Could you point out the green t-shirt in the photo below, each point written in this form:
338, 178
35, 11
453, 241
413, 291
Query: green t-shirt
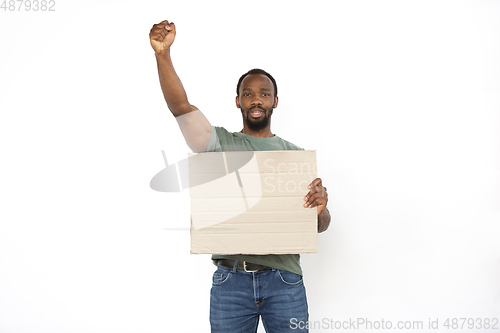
222, 140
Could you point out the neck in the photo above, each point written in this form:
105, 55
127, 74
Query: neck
264, 133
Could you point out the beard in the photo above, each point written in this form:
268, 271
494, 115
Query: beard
257, 124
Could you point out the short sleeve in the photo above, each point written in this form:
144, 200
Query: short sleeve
213, 144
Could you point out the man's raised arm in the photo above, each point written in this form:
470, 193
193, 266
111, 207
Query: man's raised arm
194, 126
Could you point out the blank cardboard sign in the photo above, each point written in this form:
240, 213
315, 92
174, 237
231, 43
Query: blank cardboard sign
251, 202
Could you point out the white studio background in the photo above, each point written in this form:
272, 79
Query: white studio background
401, 100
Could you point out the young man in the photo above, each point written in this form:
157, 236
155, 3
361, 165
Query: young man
244, 286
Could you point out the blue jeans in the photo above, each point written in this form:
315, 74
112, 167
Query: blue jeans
238, 298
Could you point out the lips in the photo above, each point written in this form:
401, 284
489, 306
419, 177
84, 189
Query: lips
256, 112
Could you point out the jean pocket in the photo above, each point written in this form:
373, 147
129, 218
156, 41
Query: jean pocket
220, 277
289, 278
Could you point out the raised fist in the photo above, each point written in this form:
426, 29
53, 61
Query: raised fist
162, 35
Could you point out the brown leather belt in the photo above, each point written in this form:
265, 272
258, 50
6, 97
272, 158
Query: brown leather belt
243, 265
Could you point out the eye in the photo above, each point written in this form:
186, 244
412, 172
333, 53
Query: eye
246, 94
266, 94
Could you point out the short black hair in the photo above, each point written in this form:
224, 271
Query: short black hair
257, 71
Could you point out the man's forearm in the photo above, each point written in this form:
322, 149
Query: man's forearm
323, 220
171, 85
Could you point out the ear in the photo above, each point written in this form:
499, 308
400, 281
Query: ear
237, 102
275, 102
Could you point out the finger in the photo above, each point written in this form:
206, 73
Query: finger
158, 36
310, 193
315, 189
158, 31
160, 25
316, 182
311, 199
321, 201
163, 26
162, 32
170, 26
316, 201
315, 196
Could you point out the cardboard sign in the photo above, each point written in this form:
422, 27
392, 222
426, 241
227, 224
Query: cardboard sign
251, 202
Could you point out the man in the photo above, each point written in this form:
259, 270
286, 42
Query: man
244, 286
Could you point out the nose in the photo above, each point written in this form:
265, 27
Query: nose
256, 100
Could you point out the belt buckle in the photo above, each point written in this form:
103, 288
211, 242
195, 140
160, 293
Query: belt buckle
245, 268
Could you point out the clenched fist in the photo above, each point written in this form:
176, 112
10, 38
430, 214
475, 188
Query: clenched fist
162, 35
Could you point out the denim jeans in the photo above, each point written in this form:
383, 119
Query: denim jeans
238, 298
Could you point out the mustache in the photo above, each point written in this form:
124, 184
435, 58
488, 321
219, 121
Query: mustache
256, 108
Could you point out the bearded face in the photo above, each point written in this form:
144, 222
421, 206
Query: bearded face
257, 118
256, 101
